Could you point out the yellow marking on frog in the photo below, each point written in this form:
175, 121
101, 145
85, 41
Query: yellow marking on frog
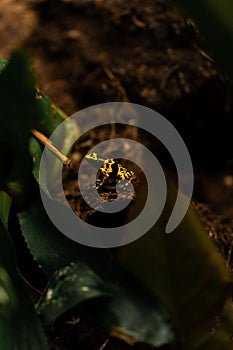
93, 156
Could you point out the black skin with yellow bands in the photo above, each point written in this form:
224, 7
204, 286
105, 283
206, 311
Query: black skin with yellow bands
110, 171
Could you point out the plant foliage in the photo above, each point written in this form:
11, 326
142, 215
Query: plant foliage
161, 289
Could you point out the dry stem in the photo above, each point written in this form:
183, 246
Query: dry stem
46, 142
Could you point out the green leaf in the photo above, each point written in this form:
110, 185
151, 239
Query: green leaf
49, 118
121, 309
18, 115
132, 314
24, 106
3, 64
18, 111
215, 21
23, 191
53, 250
19, 326
67, 288
35, 150
6, 202
185, 270
49, 115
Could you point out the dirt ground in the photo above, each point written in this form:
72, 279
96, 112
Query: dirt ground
94, 51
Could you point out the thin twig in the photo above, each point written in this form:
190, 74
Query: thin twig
34, 289
228, 259
46, 142
204, 54
104, 345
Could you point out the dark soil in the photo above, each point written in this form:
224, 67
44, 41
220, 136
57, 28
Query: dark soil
93, 51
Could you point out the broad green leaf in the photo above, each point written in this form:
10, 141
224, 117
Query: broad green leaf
23, 107
49, 118
185, 270
67, 288
49, 115
18, 111
215, 21
133, 314
18, 114
52, 249
121, 309
19, 326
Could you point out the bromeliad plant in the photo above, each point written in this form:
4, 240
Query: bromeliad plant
161, 289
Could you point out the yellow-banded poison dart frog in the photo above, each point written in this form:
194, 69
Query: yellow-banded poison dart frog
110, 171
